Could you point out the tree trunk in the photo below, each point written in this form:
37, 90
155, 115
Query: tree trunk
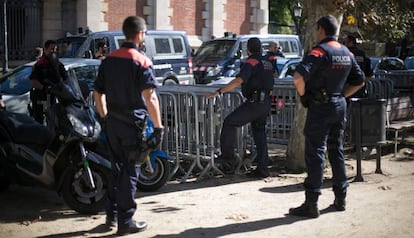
313, 9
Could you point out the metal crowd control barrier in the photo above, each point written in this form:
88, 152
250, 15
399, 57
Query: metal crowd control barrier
403, 81
380, 88
282, 112
193, 123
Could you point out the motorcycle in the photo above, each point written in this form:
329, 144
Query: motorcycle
154, 172
54, 156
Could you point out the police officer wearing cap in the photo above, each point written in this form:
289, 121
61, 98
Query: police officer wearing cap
126, 84
256, 81
327, 74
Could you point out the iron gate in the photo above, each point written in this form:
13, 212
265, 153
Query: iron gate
23, 28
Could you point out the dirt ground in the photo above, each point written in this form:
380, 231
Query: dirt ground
235, 206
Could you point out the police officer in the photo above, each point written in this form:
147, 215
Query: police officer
126, 83
46, 71
363, 61
273, 53
327, 74
256, 81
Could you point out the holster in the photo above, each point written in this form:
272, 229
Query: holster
259, 95
138, 153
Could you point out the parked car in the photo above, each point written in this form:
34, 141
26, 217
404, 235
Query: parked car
386, 64
409, 62
222, 57
169, 51
15, 85
286, 67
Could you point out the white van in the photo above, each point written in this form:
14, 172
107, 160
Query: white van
221, 57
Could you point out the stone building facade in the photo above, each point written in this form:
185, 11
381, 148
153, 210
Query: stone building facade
200, 19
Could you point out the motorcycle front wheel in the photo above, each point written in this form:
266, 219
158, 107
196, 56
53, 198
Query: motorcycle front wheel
151, 181
78, 194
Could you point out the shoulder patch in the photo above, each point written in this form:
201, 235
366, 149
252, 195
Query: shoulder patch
334, 44
317, 52
133, 54
252, 62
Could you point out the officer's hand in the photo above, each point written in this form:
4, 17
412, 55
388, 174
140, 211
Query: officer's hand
155, 139
305, 99
102, 121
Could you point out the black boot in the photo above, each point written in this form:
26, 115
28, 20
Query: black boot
339, 202
309, 208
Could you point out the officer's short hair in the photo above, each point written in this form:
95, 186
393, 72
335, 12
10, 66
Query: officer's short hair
49, 42
132, 25
351, 38
329, 24
254, 45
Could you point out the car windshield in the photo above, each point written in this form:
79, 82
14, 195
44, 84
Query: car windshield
214, 51
67, 47
17, 82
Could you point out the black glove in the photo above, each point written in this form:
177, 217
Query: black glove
305, 100
102, 121
155, 139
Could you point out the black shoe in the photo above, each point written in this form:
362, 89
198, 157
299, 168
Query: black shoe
227, 164
134, 227
257, 174
111, 222
305, 210
339, 204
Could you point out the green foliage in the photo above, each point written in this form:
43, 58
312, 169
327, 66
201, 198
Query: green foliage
280, 16
386, 20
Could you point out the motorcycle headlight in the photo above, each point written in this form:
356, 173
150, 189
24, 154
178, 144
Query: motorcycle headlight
214, 71
83, 129
96, 130
78, 125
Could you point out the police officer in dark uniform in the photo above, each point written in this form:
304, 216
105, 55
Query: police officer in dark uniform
273, 53
46, 71
327, 74
363, 61
256, 81
126, 84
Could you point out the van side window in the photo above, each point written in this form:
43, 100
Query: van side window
162, 46
178, 45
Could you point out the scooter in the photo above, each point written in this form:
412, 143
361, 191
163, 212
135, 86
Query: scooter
55, 157
154, 172
156, 169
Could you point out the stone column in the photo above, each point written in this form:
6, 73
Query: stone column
90, 13
158, 13
52, 20
214, 17
260, 17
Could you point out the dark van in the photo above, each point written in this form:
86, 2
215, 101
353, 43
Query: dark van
221, 57
169, 51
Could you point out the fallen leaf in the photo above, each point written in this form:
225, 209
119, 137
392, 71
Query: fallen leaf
385, 187
237, 217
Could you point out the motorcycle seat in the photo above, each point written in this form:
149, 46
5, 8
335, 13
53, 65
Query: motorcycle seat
23, 129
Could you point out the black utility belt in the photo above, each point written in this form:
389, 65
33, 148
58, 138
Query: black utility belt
320, 97
259, 95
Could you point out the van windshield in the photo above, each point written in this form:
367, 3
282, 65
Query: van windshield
213, 51
68, 46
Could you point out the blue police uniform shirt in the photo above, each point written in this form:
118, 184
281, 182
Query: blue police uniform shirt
329, 66
122, 74
257, 74
363, 61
